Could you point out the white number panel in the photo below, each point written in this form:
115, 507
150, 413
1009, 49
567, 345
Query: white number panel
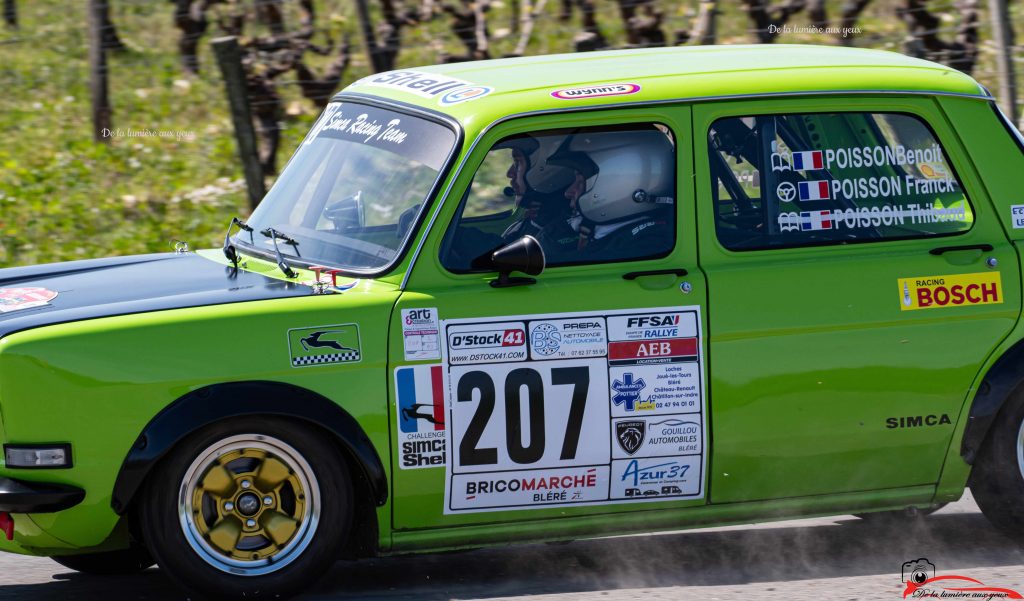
574, 408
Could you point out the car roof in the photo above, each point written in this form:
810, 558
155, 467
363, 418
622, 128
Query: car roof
527, 84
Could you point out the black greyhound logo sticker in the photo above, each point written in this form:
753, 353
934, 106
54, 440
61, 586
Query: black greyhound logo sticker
314, 341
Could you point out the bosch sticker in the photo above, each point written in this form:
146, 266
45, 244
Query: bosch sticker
943, 291
573, 409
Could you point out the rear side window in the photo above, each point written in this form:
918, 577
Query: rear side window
808, 179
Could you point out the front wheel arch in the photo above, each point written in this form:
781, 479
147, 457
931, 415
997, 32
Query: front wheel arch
210, 404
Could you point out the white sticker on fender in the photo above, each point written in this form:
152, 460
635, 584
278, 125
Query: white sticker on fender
573, 409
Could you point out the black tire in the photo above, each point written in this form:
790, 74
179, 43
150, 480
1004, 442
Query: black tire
997, 481
195, 565
109, 563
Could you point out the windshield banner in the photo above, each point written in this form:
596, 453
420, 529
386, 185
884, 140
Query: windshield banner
418, 139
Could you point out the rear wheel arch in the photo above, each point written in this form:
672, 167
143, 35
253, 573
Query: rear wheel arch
1003, 381
211, 404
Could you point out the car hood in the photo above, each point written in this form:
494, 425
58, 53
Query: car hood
36, 296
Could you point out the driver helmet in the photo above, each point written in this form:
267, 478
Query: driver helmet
541, 177
628, 171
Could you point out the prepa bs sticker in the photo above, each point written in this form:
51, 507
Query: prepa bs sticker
611, 89
16, 299
324, 345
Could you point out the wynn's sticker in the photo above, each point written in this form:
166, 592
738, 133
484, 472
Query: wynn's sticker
323, 345
611, 89
419, 396
936, 292
17, 299
573, 409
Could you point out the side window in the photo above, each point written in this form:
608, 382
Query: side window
818, 178
588, 195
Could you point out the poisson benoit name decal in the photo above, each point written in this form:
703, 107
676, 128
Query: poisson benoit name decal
612, 89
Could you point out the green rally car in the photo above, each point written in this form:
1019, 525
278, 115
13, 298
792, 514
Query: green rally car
777, 281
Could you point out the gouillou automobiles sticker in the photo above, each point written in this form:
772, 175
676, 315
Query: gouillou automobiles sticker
574, 408
16, 299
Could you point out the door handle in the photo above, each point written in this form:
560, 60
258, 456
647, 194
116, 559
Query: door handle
632, 275
946, 249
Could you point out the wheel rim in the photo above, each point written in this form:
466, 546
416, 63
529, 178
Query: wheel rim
249, 505
1020, 449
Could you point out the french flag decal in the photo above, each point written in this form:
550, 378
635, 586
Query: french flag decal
815, 190
420, 398
815, 220
812, 159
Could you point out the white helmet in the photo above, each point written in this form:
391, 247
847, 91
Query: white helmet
540, 175
628, 171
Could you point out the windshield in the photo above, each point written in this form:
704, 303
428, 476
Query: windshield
353, 190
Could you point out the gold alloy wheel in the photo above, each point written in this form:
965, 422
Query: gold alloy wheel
249, 505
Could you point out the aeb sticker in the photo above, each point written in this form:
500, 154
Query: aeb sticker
942, 291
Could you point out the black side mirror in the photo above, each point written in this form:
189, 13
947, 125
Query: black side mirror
347, 212
525, 255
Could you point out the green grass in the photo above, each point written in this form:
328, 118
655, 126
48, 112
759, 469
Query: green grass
63, 196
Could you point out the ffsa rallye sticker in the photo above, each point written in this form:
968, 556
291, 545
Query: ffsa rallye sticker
573, 409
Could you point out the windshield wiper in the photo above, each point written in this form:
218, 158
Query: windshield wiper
229, 248
274, 235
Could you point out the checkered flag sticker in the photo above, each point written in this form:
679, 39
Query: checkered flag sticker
344, 357
324, 345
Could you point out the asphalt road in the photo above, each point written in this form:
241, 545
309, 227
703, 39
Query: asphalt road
842, 558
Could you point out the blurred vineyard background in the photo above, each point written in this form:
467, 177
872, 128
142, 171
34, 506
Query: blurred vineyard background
168, 167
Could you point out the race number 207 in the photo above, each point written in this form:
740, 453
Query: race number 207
530, 416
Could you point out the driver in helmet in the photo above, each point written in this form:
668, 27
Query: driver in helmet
538, 192
537, 186
621, 198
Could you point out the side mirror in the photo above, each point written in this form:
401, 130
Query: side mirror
525, 255
347, 212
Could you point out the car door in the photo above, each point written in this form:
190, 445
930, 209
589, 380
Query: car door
579, 392
859, 279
